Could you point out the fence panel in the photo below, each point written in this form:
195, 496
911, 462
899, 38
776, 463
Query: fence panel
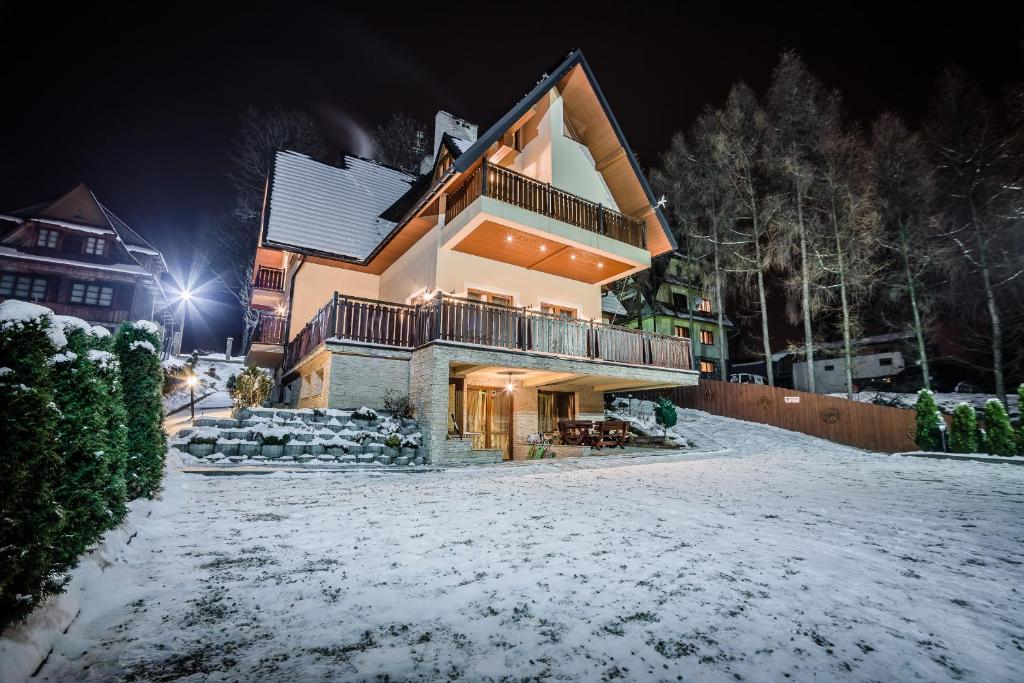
864, 425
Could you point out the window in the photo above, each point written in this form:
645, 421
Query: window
680, 302
707, 337
23, 286
707, 367
490, 297
553, 406
47, 238
704, 305
96, 246
829, 368
92, 295
885, 361
560, 311
681, 331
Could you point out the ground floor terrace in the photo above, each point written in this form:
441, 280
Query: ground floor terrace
760, 555
483, 380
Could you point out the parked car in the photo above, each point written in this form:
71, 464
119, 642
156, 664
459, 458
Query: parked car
747, 378
965, 388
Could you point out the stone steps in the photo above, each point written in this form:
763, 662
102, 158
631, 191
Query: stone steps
313, 437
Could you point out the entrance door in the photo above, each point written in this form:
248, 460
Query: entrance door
489, 419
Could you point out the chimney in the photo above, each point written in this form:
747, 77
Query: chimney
457, 128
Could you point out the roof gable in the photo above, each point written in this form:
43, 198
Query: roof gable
615, 159
77, 206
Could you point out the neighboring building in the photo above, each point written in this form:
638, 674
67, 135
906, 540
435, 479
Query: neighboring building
475, 288
681, 309
77, 258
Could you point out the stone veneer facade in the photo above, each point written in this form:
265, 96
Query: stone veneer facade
361, 374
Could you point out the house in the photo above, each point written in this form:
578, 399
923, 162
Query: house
475, 287
684, 309
77, 258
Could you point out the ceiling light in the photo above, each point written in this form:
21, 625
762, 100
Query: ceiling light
509, 387
543, 247
572, 256
600, 265
508, 238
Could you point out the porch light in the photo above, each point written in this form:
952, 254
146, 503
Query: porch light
509, 387
280, 310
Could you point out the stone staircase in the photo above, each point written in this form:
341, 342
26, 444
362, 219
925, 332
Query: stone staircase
308, 437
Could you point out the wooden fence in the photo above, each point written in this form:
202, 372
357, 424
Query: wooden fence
864, 425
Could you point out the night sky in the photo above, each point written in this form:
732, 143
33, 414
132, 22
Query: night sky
141, 100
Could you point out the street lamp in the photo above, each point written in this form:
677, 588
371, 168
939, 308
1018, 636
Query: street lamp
191, 382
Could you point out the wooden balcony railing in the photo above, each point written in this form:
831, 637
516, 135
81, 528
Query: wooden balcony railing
270, 329
448, 318
93, 314
270, 278
514, 188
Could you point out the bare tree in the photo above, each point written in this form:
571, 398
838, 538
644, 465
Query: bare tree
977, 152
905, 191
802, 111
401, 142
741, 142
229, 240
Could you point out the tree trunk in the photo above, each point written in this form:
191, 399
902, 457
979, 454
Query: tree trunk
993, 309
721, 315
805, 285
922, 353
694, 339
840, 265
762, 298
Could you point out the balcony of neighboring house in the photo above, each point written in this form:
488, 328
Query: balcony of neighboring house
472, 323
503, 215
266, 342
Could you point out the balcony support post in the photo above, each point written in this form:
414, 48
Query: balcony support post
483, 176
600, 219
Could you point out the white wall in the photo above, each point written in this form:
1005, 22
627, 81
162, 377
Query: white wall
315, 285
833, 381
413, 272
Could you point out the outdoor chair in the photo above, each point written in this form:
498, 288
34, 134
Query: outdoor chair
611, 433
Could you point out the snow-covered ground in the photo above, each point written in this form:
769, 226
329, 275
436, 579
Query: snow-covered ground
782, 556
212, 373
946, 402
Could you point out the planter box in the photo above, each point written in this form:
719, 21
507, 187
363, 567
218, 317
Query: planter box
409, 453
335, 428
304, 437
262, 412
243, 414
383, 460
241, 434
316, 449
182, 433
366, 457
285, 458
336, 451
236, 458
374, 449
294, 449
418, 460
258, 458
206, 422
201, 450
227, 423
227, 449
389, 452
303, 458
408, 422
401, 461
324, 457
272, 452
348, 458
321, 419
355, 450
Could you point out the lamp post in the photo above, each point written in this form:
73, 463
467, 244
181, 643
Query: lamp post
191, 382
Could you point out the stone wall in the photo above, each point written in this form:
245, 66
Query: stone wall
361, 375
314, 374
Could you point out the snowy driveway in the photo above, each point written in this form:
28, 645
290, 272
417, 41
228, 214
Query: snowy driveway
788, 557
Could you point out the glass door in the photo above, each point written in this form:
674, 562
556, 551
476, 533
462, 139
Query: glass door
489, 419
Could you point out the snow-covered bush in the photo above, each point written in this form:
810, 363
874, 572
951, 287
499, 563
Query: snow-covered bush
999, 437
393, 441
398, 404
108, 371
249, 388
30, 520
89, 484
364, 413
963, 436
927, 436
665, 414
137, 346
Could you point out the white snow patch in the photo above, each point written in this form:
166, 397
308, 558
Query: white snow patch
145, 345
147, 326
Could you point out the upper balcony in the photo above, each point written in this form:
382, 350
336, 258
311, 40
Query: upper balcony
270, 279
502, 215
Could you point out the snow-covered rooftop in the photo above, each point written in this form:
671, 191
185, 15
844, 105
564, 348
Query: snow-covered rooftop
333, 210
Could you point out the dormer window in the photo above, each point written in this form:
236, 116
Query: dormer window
97, 246
47, 238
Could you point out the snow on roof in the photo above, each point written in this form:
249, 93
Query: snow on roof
611, 304
329, 209
461, 144
115, 267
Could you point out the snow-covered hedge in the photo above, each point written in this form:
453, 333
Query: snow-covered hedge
62, 468
137, 346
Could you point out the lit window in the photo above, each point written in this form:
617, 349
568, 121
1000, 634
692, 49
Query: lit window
682, 331
92, 295
490, 297
707, 337
560, 311
704, 306
707, 367
23, 286
46, 238
96, 246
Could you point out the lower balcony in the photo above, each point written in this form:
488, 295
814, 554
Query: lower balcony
474, 323
266, 343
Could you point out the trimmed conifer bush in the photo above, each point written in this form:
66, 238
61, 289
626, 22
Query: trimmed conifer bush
250, 387
108, 371
30, 519
138, 352
999, 437
963, 437
82, 445
665, 414
927, 436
